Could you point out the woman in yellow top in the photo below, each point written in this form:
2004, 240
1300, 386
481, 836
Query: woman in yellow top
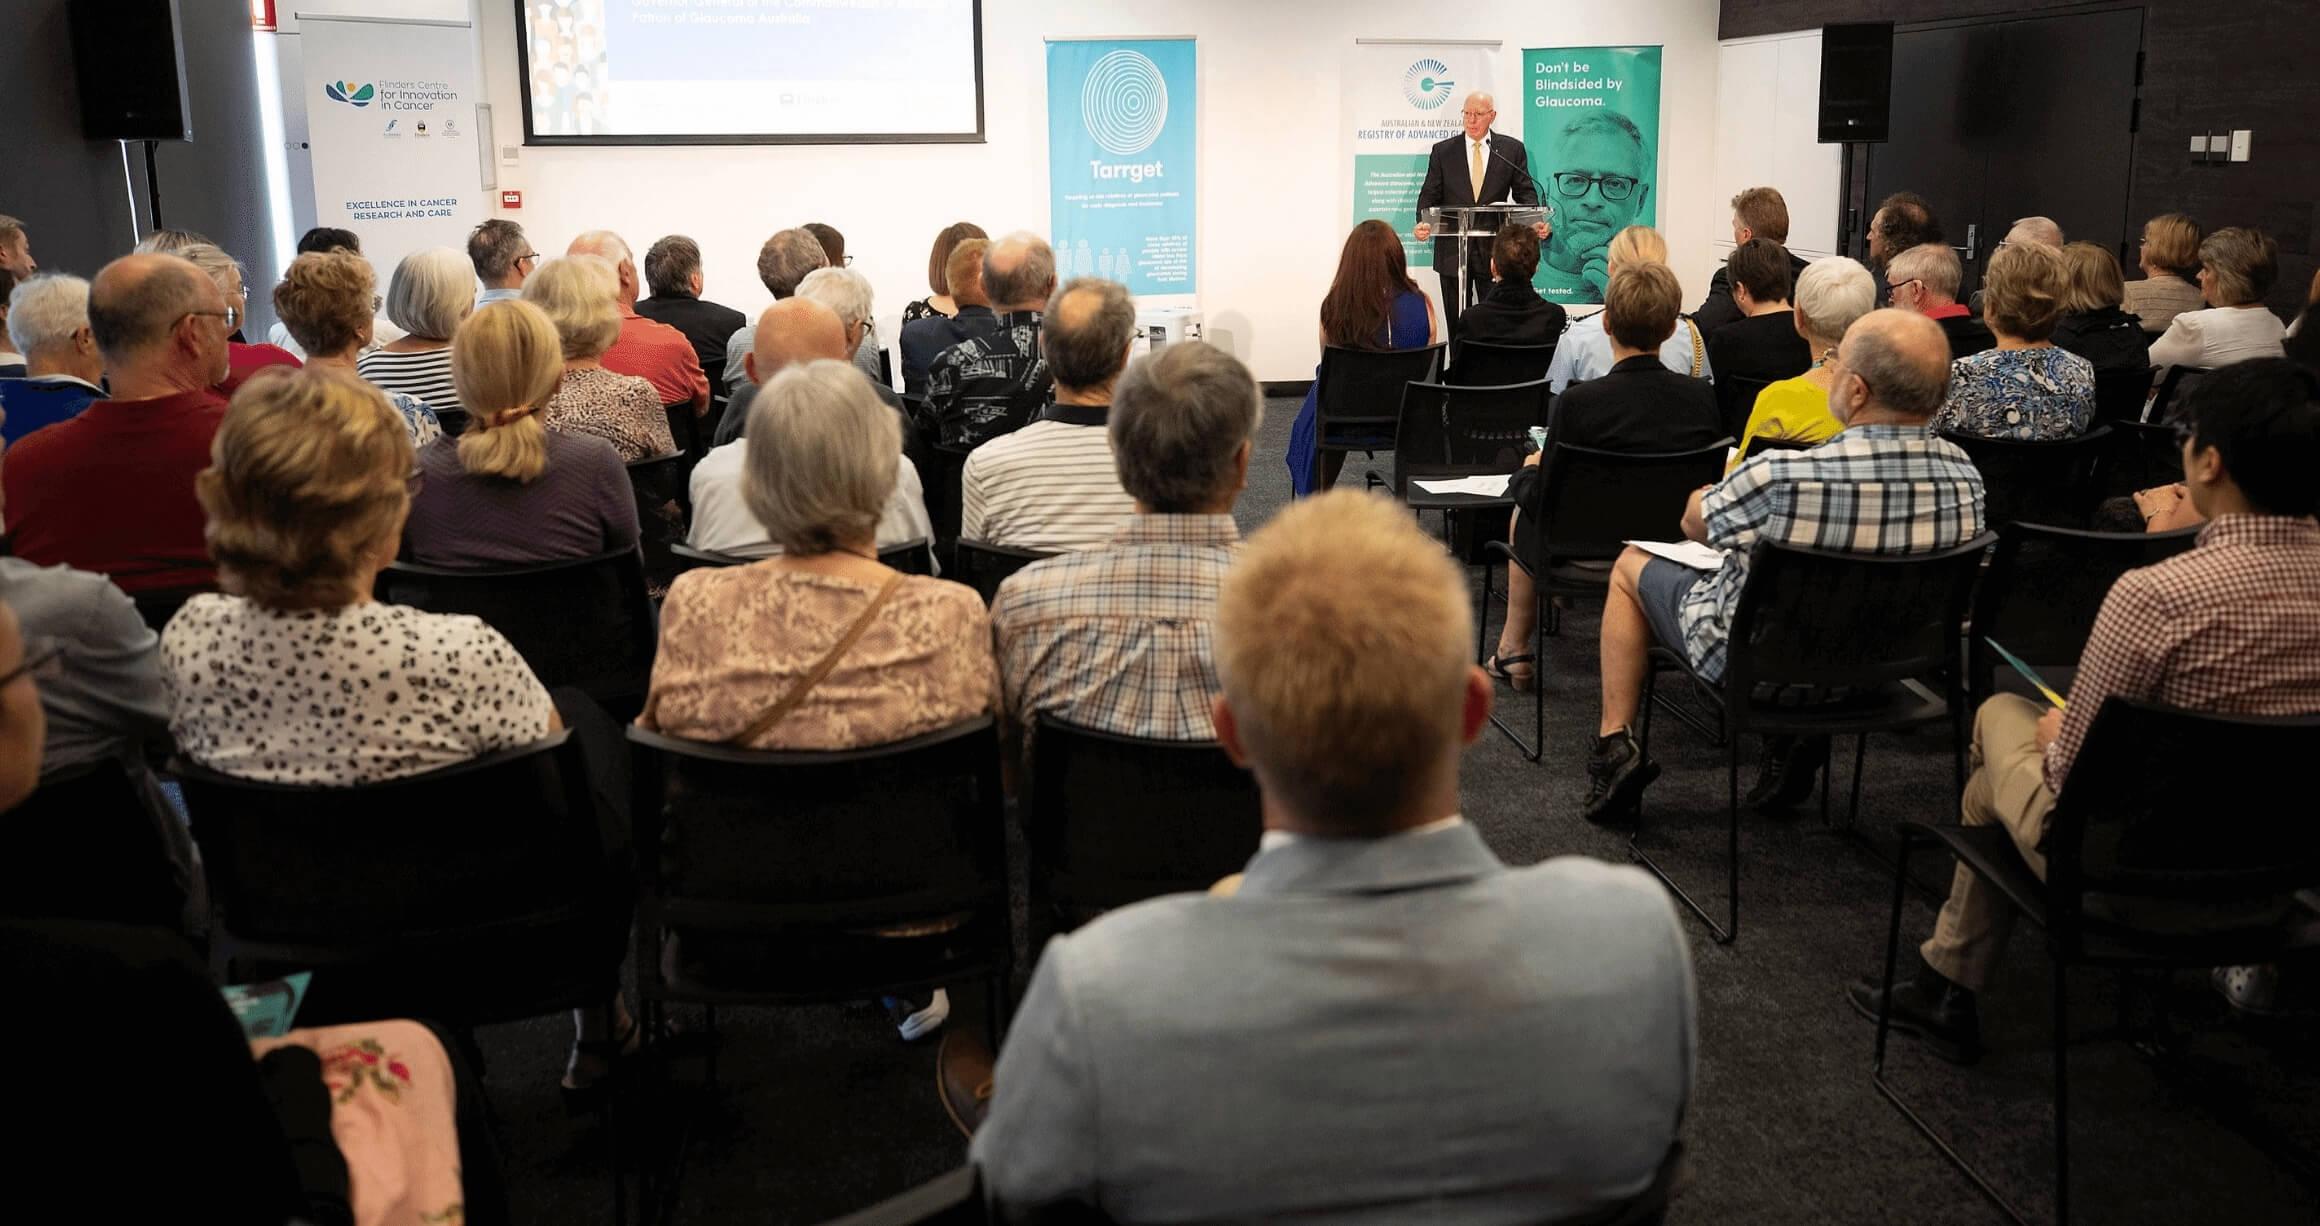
1830, 295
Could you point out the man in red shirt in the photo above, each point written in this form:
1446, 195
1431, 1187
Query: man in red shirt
111, 490
648, 349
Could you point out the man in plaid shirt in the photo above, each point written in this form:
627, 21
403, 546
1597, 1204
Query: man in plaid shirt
1885, 485
1122, 638
2231, 626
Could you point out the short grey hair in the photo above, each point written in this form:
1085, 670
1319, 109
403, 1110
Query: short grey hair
1177, 419
432, 292
1831, 294
47, 310
494, 247
844, 291
604, 243
1016, 268
820, 459
2036, 230
215, 264
1935, 264
1912, 383
787, 257
1086, 344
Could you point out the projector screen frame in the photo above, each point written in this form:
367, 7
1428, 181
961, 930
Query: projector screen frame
523, 88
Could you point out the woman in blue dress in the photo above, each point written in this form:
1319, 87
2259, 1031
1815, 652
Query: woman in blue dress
1373, 304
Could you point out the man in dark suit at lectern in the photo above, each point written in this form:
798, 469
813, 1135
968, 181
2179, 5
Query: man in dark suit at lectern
1478, 166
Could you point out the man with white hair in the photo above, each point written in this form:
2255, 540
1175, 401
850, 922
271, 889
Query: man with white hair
1925, 279
2034, 230
847, 294
993, 384
48, 321
1478, 166
648, 349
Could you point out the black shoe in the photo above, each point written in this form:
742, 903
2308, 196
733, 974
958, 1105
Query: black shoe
1617, 773
1785, 780
1928, 1008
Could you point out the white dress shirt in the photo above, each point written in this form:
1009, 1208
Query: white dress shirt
722, 522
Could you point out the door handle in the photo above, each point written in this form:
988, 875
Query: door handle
1973, 233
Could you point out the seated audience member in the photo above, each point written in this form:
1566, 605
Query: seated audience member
430, 295
242, 360
792, 332
1372, 304
2169, 258
1903, 220
1639, 405
1829, 297
1758, 212
502, 258
2044, 231
1054, 484
989, 385
1122, 638
1509, 311
170, 242
23, 724
2236, 269
2092, 325
2232, 626
111, 490
943, 300
1585, 350
1892, 487
782, 262
970, 316
509, 491
16, 250
48, 321
847, 293
2303, 340
1925, 279
13, 363
1763, 345
672, 270
648, 349
576, 292
867, 345
2025, 388
327, 239
1231, 1035
325, 301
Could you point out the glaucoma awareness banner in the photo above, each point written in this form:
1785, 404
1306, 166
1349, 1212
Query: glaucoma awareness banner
1399, 98
1122, 142
1591, 127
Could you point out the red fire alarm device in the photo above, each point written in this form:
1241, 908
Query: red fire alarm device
511, 200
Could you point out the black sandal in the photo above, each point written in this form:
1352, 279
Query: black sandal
1520, 682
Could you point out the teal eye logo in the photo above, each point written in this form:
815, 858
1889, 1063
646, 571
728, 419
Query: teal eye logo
350, 93
1425, 84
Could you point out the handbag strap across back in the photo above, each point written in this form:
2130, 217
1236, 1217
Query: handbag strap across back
804, 685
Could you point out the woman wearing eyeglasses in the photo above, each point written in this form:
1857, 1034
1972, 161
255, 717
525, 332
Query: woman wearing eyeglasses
242, 359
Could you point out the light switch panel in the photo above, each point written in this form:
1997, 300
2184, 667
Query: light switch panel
2241, 138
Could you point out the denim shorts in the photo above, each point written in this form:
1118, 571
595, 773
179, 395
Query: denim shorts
1661, 589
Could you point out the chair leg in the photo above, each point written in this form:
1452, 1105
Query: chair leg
1728, 931
2061, 1096
1828, 776
1538, 745
1860, 755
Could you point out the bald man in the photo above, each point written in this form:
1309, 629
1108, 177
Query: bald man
647, 348
791, 331
1890, 487
994, 384
111, 490
1477, 166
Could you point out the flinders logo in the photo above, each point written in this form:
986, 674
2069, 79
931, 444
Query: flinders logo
1425, 84
350, 93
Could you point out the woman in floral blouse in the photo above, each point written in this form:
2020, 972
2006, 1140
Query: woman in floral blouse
578, 293
2026, 388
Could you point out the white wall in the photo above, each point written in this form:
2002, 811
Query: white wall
1768, 133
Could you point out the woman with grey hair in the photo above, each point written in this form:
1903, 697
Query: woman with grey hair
1830, 295
430, 295
2237, 266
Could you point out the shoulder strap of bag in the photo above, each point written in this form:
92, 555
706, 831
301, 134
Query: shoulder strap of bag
1699, 351
804, 685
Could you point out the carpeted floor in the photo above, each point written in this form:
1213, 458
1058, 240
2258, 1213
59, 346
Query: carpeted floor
821, 1111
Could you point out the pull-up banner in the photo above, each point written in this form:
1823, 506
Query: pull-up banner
1122, 161
1398, 99
1591, 127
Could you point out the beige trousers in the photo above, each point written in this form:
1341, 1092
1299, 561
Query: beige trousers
2007, 788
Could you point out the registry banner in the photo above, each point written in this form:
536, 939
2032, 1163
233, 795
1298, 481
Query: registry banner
1591, 126
1399, 98
1122, 145
391, 122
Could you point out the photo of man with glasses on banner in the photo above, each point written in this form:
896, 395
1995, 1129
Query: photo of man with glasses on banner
1598, 175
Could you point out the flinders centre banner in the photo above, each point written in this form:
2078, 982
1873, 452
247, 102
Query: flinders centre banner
1399, 98
1122, 140
1591, 127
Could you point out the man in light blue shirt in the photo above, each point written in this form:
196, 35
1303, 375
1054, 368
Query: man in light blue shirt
503, 257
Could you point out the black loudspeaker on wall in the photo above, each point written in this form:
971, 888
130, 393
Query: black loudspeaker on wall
1856, 82
130, 63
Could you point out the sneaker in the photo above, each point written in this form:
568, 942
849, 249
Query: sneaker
1617, 773
1785, 778
1928, 1008
2253, 990
915, 1023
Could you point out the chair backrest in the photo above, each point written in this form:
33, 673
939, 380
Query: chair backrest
1596, 501
587, 622
1359, 391
2043, 587
1736, 399
157, 605
88, 845
1764, 442
2046, 482
912, 557
1812, 621
663, 501
1461, 431
453, 419
2119, 393
2143, 454
941, 472
1485, 364
2173, 388
984, 566
1114, 819
691, 431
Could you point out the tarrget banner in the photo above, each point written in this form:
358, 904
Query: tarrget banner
391, 119
1122, 161
1591, 126
1399, 98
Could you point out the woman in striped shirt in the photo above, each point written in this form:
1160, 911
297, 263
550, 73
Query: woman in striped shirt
432, 292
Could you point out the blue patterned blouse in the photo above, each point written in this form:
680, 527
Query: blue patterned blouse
2025, 394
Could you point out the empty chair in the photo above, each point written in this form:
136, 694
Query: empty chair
984, 567
1461, 431
2045, 482
2039, 596
586, 623
1488, 364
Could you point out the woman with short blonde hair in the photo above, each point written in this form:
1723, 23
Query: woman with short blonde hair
1584, 352
2169, 258
579, 295
430, 295
324, 301
2025, 388
2237, 267
509, 491
2093, 325
242, 359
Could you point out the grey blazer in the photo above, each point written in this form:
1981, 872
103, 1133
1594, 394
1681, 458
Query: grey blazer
1387, 1030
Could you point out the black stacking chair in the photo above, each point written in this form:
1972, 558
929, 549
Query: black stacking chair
983, 566
2047, 482
691, 432
2041, 591
941, 473
90, 845
1485, 364
2119, 394
1762, 443
157, 605
1736, 399
2174, 387
1463, 431
452, 418
1813, 623
912, 557
2185, 865
586, 623
663, 508
2143, 454
1358, 398
1113, 819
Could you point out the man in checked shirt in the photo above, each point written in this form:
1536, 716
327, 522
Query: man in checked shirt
2231, 626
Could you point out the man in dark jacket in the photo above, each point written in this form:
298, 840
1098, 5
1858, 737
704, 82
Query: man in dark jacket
1758, 212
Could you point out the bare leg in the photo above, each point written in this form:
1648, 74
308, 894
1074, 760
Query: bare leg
1522, 610
1626, 639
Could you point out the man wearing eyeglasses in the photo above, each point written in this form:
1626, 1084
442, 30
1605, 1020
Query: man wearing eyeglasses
503, 257
1600, 175
111, 490
1478, 166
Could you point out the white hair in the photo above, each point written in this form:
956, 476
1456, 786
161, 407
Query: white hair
604, 243
1831, 293
2036, 230
844, 291
47, 310
432, 292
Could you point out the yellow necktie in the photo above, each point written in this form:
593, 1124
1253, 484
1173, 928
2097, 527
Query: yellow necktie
1475, 170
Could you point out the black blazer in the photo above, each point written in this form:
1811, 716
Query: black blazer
1718, 308
1448, 185
1639, 407
707, 325
2110, 338
1510, 312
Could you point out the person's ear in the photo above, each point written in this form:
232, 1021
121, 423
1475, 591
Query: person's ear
1494, 268
1241, 457
2202, 466
695, 283
85, 339
1228, 732
749, 363
1476, 713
